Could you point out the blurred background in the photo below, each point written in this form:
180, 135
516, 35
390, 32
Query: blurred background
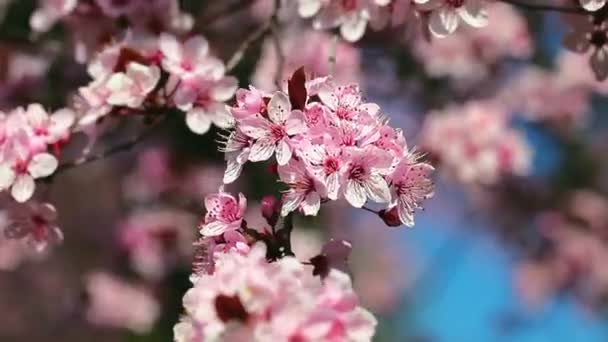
520, 257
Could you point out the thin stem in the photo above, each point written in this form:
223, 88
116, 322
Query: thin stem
276, 38
231, 9
122, 147
333, 54
370, 210
252, 39
545, 7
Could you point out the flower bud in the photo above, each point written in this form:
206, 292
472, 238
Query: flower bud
270, 209
390, 217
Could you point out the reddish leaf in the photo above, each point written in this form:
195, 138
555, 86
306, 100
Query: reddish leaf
230, 308
297, 89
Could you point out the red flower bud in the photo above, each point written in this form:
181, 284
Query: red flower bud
390, 217
270, 209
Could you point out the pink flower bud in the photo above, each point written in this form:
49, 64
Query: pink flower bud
270, 209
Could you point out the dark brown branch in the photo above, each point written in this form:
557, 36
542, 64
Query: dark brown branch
238, 55
122, 147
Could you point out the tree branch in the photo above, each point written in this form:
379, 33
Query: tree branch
122, 147
253, 38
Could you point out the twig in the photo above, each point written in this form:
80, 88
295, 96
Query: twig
253, 38
240, 52
545, 7
122, 147
276, 38
333, 55
370, 210
225, 12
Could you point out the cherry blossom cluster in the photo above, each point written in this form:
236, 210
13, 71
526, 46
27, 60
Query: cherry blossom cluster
32, 224
329, 144
475, 144
471, 54
313, 56
92, 21
249, 299
156, 241
353, 16
576, 256
151, 75
27, 137
117, 303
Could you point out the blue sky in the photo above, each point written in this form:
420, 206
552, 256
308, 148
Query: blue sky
470, 290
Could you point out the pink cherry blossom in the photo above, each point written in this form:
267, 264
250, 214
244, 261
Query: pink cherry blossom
51, 11
247, 298
341, 147
364, 176
446, 15
157, 241
224, 213
313, 56
113, 302
35, 224
469, 54
203, 100
272, 134
475, 144
305, 191
131, 87
350, 16
20, 166
49, 129
188, 58
410, 184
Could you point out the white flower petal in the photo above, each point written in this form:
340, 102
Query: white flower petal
283, 152
261, 150
474, 14
7, 176
377, 189
296, 123
198, 121
592, 5
353, 28
224, 89
291, 202
279, 107
308, 8
311, 204
214, 228
443, 22
233, 170
355, 194
42, 165
23, 188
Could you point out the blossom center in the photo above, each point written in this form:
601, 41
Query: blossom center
20, 167
278, 132
598, 38
331, 165
357, 173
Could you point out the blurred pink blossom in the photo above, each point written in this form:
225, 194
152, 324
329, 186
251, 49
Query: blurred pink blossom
115, 303
313, 56
279, 301
475, 144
